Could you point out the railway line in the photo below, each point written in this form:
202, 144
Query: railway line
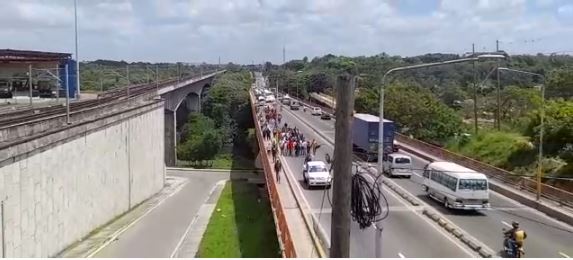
24, 116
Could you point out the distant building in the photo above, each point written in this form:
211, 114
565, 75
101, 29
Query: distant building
48, 73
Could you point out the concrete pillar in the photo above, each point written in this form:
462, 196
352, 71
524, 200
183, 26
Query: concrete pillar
170, 142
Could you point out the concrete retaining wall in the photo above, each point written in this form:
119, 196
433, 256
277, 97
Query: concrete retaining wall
57, 188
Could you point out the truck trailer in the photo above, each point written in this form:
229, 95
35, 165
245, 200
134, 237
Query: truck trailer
365, 136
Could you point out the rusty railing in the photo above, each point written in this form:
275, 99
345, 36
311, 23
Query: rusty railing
520, 182
282, 229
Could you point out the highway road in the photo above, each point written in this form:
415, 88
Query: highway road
407, 233
546, 236
158, 234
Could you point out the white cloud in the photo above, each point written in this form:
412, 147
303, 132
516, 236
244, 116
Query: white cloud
246, 30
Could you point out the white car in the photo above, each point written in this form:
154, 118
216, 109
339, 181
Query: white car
316, 111
261, 98
315, 173
270, 99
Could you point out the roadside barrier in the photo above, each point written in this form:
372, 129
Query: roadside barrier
283, 233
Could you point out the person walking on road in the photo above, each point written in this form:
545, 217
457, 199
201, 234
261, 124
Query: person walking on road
278, 168
274, 151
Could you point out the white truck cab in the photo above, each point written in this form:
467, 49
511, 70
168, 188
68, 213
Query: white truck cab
397, 164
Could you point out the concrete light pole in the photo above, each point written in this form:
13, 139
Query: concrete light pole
541, 125
77, 55
379, 227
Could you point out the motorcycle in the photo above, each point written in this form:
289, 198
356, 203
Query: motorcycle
510, 248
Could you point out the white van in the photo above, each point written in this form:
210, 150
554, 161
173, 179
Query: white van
396, 164
456, 186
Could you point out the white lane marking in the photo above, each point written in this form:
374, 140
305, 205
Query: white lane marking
120, 231
505, 223
532, 210
195, 218
401, 255
425, 219
564, 255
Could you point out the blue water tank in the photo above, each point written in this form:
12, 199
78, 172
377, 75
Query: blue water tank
71, 78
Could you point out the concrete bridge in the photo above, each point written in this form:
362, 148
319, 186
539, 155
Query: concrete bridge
60, 179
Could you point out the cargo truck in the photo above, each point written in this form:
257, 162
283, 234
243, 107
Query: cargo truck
365, 136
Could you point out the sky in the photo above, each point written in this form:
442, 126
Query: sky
247, 31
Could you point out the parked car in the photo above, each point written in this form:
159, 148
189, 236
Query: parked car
315, 173
325, 116
316, 111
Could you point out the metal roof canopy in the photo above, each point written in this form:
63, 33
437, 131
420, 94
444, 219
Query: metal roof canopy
9, 55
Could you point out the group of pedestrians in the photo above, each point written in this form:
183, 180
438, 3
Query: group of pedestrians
285, 140
292, 142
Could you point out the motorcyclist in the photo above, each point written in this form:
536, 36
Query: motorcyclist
516, 237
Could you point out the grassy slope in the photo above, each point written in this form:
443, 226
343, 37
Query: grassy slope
501, 149
243, 227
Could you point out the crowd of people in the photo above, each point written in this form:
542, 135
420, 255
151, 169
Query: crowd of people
285, 140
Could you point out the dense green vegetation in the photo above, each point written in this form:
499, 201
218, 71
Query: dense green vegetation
219, 137
437, 104
241, 226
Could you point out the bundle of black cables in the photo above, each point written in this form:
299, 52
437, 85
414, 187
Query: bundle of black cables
368, 203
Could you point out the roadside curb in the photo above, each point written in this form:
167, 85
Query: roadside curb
188, 245
104, 235
458, 233
213, 170
318, 235
445, 224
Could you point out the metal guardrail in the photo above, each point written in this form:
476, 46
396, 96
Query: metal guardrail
553, 193
280, 219
558, 195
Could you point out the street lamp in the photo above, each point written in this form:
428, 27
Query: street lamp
76, 38
300, 71
542, 124
483, 57
378, 236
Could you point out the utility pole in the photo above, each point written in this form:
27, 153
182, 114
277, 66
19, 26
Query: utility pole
147, 73
156, 75
475, 92
340, 227
284, 54
100, 79
77, 55
67, 94
128, 81
498, 119
178, 72
30, 82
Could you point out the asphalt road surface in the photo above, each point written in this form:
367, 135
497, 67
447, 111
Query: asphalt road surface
546, 236
407, 233
159, 232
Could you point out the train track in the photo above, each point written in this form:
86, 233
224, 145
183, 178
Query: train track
32, 114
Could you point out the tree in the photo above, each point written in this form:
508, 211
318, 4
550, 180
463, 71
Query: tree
560, 84
417, 112
202, 140
558, 132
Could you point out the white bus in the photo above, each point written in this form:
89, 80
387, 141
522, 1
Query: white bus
456, 186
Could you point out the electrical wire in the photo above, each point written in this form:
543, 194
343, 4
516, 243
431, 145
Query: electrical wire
368, 203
